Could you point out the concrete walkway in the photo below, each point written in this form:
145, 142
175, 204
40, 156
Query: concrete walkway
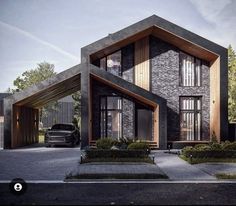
214, 168
177, 169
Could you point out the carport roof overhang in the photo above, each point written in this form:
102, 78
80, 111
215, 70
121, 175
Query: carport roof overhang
52, 89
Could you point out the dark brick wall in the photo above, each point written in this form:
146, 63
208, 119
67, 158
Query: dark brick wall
128, 63
164, 61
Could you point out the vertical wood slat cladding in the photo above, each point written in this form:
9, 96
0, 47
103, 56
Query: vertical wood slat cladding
215, 98
156, 126
141, 61
25, 131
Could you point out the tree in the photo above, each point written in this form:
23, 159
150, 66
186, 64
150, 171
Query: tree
42, 72
232, 84
77, 108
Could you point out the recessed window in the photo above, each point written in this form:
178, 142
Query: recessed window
190, 118
112, 63
190, 70
111, 117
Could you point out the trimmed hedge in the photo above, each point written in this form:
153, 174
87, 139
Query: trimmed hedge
107, 153
209, 153
138, 146
105, 143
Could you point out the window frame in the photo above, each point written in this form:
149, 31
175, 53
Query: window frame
195, 70
121, 61
106, 110
195, 111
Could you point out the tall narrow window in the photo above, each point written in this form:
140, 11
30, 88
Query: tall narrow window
190, 118
112, 63
111, 117
190, 70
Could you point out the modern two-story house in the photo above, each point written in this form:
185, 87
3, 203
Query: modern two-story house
152, 81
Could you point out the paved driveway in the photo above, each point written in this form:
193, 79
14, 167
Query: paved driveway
38, 163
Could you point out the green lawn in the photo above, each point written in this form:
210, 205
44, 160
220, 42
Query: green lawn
226, 175
202, 160
117, 176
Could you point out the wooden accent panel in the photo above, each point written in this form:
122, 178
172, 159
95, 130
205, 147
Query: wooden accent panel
156, 126
141, 61
25, 126
215, 98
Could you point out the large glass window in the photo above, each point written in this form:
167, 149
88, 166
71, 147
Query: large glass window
190, 118
190, 70
111, 117
112, 63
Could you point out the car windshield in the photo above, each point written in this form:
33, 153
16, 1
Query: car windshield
63, 127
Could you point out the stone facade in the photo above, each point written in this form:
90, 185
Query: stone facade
164, 61
164, 67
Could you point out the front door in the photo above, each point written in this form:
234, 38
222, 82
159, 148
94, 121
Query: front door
144, 124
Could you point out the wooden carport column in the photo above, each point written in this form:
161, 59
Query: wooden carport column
25, 121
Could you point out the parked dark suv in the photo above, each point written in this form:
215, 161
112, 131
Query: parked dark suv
62, 134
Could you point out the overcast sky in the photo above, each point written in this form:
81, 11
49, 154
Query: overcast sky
33, 31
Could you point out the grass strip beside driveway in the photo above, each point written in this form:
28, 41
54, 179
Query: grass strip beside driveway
226, 176
204, 160
116, 176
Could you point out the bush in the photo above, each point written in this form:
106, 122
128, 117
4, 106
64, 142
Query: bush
107, 153
186, 150
105, 143
200, 146
204, 148
229, 146
210, 154
138, 146
216, 147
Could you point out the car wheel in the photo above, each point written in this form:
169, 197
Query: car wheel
72, 144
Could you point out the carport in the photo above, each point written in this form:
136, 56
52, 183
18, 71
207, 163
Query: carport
21, 110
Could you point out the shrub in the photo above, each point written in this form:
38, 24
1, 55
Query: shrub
104, 143
216, 146
229, 146
200, 146
138, 146
107, 153
210, 154
204, 148
186, 150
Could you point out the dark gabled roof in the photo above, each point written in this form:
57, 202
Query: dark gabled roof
126, 87
151, 25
